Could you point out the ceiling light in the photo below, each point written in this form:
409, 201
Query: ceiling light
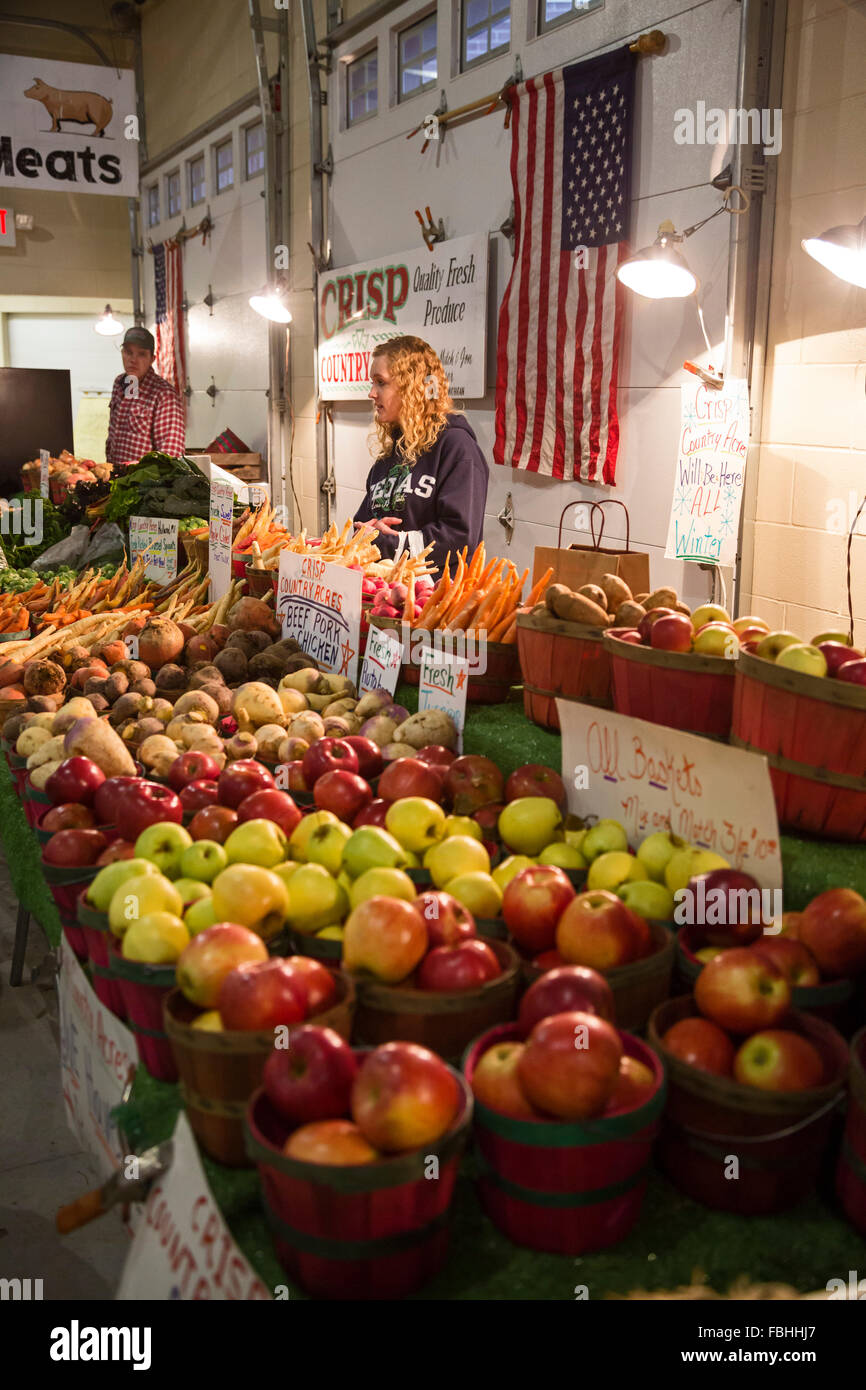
107, 324
841, 250
270, 302
659, 271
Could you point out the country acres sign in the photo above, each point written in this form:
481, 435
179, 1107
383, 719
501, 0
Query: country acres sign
67, 126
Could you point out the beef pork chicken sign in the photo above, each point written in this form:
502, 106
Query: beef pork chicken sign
68, 126
440, 296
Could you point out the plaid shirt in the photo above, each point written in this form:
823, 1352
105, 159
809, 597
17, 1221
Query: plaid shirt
151, 420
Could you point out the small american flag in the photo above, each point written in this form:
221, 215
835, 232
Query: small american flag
560, 321
168, 276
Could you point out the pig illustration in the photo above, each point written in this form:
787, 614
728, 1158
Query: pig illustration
72, 106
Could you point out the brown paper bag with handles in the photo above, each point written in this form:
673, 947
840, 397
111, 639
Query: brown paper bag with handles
577, 565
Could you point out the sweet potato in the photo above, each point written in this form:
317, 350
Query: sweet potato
616, 591
554, 594
629, 614
594, 594
574, 608
661, 598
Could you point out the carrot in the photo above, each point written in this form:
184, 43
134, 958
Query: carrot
538, 589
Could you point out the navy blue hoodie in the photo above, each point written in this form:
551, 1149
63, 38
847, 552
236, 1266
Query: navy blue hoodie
443, 494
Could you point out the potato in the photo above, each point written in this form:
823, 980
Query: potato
574, 608
40, 775
556, 593
429, 726
52, 751
616, 590
157, 754
32, 738
661, 598
629, 614
683, 608
594, 594
641, 598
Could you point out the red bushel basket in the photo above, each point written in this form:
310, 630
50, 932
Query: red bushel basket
681, 690
143, 988
565, 1187
96, 933
17, 767
851, 1173
371, 1231
65, 885
36, 803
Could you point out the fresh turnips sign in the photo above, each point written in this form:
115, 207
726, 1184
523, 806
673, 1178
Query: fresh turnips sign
67, 126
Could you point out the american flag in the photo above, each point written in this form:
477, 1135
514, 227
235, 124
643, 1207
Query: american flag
560, 321
168, 276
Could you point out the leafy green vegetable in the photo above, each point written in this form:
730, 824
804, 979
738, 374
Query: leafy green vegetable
158, 486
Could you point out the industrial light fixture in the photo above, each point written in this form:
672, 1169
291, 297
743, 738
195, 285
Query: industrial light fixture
270, 302
841, 250
659, 271
107, 324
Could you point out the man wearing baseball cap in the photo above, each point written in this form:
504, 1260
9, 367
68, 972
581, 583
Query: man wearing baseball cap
146, 412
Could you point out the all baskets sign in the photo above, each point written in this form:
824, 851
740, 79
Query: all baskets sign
68, 126
439, 296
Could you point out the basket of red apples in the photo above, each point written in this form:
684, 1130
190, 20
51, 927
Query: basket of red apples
233, 1007
803, 705
566, 1111
754, 1087
553, 925
357, 1153
424, 974
819, 950
851, 1172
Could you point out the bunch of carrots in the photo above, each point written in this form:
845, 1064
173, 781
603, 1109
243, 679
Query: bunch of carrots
482, 596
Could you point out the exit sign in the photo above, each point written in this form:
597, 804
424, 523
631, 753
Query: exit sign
7, 227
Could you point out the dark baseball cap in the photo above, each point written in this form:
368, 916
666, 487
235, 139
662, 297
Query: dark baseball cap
138, 337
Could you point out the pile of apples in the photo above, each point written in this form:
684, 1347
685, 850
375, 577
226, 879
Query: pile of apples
568, 1062
429, 942
384, 600
829, 654
347, 1110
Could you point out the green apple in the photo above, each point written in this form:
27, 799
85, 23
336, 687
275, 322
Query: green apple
382, 883
371, 847
605, 837
261, 842
562, 856
799, 657
331, 934
109, 879
326, 844
416, 821
708, 953
163, 844
200, 915
770, 646
316, 900
575, 838
656, 850
685, 864
843, 637
609, 870
463, 825
285, 871
157, 938
529, 823
191, 891
137, 897
477, 891
304, 829
459, 854
648, 899
203, 860
508, 868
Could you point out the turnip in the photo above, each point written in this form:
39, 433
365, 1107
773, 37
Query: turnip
76, 708
95, 739
397, 712
291, 700
309, 726
381, 729
429, 726
198, 702
374, 702
255, 704
392, 751
268, 741
157, 753
240, 746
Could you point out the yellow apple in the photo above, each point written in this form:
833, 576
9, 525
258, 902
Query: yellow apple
304, 829
382, 883
326, 844
717, 639
657, 849
775, 642
609, 870
315, 899
478, 891
200, 915
459, 854
463, 825
331, 933
575, 838
686, 864
416, 822
157, 938
708, 953
562, 855
138, 897
709, 613
529, 823
740, 624
506, 870
253, 897
652, 901
809, 661
605, 837
208, 1022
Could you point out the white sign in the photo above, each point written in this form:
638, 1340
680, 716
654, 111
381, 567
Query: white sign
158, 536
96, 1055
383, 658
650, 778
440, 297
44, 473
182, 1247
319, 604
68, 126
443, 684
251, 494
7, 227
220, 540
711, 466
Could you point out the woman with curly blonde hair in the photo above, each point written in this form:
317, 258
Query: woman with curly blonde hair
429, 482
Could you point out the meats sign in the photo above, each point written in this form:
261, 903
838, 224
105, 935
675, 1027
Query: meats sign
68, 126
439, 296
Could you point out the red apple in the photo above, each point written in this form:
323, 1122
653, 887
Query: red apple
317, 980
436, 755
76, 779
240, 779
213, 823
404, 1097
791, 925
70, 816
752, 644
598, 930
337, 1143
796, 963
645, 626
384, 936
495, 1083
751, 634
328, 755
570, 1065
533, 903
563, 990
779, 1060
108, 797
74, 848
312, 1078
634, 1086
272, 805
488, 818
213, 954
725, 906
410, 777
373, 814
292, 774
118, 849
549, 960
368, 753
833, 928
854, 672
742, 992
701, 1044
626, 634
534, 779
472, 781
837, 654
465, 965
146, 803
196, 795
672, 633
192, 767
262, 996
447, 921
344, 794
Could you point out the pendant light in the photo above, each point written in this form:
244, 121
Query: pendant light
841, 250
107, 325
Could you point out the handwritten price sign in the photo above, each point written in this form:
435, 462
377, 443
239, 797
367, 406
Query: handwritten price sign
711, 465
651, 778
382, 661
319, 604
442, 685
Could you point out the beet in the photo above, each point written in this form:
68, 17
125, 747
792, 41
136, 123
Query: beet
160, 642
203, 675
251, 614
170, 677
44, 678
232, 665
